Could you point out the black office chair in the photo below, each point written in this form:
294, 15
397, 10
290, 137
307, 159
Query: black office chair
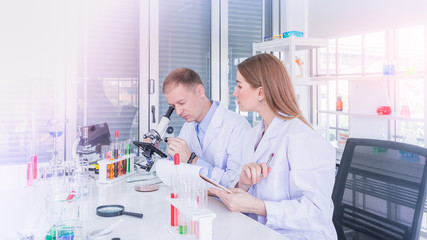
380, 190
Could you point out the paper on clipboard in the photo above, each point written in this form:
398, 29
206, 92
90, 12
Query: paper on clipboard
166, 170
214, 183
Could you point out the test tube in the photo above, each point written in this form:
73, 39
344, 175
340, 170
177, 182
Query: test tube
128, 152
112, 171
104, 150
185, 198
122, 148
120, 170
122, 154
34, 160
116, 147
187, 191
108, 171
111, 152
175, 189
203, 195
173, 213
183, 224
30, 172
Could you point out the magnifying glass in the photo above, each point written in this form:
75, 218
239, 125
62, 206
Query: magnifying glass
115, 210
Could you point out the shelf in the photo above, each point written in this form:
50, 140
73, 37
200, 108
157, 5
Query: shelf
366, 115
308, 81
389, 117
291, 45
368, 78
333, 112
285, 43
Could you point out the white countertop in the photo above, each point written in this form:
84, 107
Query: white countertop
23, 209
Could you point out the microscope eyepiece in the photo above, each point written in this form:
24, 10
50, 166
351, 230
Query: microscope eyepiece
169, 112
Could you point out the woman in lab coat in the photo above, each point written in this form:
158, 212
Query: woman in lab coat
292, 194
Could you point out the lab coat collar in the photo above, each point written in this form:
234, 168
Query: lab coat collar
269, 135
214, 125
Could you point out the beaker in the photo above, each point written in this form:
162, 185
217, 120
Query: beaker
384, 106
65, 230
56, 177
62, 207
81, 178
404, 111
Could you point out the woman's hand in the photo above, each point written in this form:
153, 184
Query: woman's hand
252, 173
240, 201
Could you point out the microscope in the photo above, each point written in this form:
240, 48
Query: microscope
156, 136
87, 145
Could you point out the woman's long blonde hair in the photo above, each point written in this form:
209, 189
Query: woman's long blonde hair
267, 71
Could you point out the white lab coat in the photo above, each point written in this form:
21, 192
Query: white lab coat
297, 192
222, 144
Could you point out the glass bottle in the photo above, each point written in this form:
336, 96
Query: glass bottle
339, 105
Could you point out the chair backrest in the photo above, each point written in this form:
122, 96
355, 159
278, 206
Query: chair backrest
380, 189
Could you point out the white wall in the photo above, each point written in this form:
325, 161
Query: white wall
334, 18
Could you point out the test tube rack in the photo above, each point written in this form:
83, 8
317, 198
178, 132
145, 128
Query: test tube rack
203, 216
105, 162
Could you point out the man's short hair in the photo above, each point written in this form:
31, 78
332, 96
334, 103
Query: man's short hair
184, 76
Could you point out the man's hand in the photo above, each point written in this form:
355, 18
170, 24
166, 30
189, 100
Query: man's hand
178, 145
148, 140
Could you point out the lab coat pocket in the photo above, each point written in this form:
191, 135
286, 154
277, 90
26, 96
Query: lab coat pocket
275, 187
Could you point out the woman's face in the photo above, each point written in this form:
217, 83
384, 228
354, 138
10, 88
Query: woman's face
247, 97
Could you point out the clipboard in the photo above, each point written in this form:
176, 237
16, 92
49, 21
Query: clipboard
214, 183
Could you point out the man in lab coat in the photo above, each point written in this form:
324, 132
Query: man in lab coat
212, 135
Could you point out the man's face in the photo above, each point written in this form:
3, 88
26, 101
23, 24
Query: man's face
187, 101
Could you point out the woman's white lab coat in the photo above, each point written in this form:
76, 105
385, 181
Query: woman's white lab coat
222, 145
297, 192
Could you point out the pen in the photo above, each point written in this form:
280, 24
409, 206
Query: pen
268, 161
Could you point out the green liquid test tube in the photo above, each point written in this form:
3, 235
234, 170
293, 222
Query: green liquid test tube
183, 229
128, 159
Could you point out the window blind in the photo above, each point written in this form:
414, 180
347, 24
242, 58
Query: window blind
108, 69
244, 28
184, 41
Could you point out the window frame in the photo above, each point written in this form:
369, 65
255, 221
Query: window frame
391, 51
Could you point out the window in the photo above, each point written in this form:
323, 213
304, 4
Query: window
32, 78
374, 70
375, 53
245, 26
184, 41
349, 55
108, 70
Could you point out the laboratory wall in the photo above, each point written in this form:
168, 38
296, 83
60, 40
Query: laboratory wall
334, 18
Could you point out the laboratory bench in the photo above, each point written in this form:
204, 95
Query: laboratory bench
23, 210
